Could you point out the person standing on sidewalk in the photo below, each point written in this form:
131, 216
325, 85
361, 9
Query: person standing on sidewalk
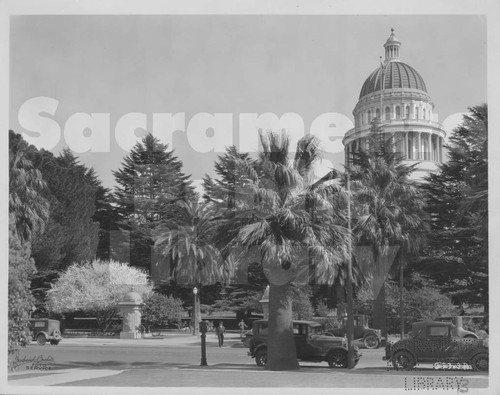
220, 333
242, 326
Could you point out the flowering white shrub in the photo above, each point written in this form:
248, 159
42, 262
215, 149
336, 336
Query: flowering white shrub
97, 287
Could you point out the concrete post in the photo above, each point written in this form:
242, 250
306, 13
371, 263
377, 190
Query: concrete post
130, 308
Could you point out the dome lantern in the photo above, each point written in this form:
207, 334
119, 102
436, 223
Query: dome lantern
392, 48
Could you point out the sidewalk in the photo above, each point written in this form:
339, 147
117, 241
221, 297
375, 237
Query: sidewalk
174, 339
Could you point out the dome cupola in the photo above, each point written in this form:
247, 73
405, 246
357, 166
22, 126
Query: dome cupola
392, 48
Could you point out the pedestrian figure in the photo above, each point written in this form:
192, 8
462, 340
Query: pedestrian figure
220, 333
242, 326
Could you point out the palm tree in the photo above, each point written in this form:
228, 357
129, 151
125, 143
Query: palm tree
273, 211
188, 244
388, 211
28, 208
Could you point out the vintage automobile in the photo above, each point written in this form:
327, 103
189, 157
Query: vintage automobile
312, 345
370, 338
435, 342
43, 329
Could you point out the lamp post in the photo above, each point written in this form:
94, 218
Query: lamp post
195, 312
203, 330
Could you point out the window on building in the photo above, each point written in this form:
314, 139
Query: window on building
378, 112
369, 116
423, 113
416, 112
407, 115
398, 112
387, 113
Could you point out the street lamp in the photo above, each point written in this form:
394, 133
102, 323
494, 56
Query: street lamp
195, 312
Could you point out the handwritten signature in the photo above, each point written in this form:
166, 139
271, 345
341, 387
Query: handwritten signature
35, 361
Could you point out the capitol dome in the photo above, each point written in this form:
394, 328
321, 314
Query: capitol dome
397, 75
396, 94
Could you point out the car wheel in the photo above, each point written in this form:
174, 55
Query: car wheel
480, 362
261, 357
40, 339
337, 359
371, 341
403, 360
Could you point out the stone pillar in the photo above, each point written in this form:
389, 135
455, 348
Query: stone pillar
130, 308
440, 145
265, 303
419, 147
405, 145
429, 145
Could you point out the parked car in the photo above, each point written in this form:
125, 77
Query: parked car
370, 337
43, 329
435, 342
311, 343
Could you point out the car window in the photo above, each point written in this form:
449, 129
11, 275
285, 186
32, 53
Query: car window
263, 329
39, 324
299, 329
315, 330
438, 331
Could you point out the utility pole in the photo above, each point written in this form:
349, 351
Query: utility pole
350, 317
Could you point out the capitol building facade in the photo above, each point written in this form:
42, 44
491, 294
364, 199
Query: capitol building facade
396, 91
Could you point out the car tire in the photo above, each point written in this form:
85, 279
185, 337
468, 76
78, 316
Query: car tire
41, 339
337, 359
371, 341
403, 360
480, 362
261, 357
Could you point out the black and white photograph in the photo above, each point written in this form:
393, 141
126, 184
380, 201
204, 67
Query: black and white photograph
236, 197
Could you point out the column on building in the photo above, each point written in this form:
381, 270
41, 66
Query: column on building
405, 145
419, 147
429, 145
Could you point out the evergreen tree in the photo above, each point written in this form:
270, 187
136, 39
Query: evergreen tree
457, 202
71, 234
149, 184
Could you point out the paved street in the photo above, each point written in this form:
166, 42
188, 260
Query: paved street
174, 362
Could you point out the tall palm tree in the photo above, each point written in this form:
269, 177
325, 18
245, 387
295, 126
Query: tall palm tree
27, 206
188, 244
273, 212
388, 210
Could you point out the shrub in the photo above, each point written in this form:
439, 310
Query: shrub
159, 308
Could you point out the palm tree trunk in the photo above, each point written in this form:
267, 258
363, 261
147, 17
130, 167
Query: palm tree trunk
401, 295
379, 316
281, 344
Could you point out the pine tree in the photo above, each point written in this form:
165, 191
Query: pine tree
457, 202
149, 184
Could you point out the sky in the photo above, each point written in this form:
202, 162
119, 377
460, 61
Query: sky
125, 69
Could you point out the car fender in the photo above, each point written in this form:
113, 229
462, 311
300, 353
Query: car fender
477, 352
337, 348
41, 332
369, 332
260, 346
409, 350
